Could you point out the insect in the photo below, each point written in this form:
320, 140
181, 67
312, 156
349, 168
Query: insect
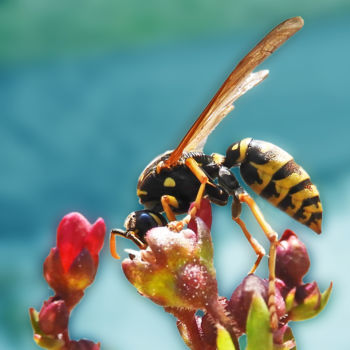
175, 179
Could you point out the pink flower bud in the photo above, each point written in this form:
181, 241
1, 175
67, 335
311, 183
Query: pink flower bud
83, 345
204, 213
176, 270
82, 271
292, 259
53, 317
72, 266
241, 299
306, 291
307, 301
75, 233
194, 282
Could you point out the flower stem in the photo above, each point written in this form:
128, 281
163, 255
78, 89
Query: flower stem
188, 319
218, 313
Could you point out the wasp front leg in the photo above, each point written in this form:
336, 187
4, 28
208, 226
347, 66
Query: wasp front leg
204, 180
168, 202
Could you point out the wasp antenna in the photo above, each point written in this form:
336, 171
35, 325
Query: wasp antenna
112, 242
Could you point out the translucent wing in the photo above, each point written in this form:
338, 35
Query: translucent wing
238, 83
213, 119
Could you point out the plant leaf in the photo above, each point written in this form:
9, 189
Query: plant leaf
49, 343
311, 307
223, 339
289, 299
34, 319
259, 336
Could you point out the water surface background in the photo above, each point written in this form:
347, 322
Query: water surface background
90, 92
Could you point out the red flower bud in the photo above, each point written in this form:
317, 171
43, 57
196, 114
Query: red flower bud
83, 345
292, 260
53, 317
241, 299
307, 301
71, 267
194, 283
306, 291
75, 233
204, 212
176, 270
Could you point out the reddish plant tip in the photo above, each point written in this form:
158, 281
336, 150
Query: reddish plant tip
195, 283
176, 270
75, 233
292, 259
306, 290
53, 317
71, 266
204, 212
83, 345
241, 299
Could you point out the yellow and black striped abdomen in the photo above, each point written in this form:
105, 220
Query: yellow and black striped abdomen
273, 174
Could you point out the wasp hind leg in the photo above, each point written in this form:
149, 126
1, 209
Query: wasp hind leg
273, 238
258, 248
227, 180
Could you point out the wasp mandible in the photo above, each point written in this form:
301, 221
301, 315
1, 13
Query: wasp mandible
175, 179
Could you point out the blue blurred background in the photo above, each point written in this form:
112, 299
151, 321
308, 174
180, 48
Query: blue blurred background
91, 91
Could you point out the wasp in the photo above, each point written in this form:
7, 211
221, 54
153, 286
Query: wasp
175, 179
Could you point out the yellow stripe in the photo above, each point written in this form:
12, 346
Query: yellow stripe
266, 171
284, 185
141, 192
297, 201
156, 219
243, 149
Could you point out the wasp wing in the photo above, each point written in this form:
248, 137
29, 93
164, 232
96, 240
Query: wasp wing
202, 132
238, 82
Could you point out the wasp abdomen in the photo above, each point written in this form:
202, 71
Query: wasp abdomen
273, 174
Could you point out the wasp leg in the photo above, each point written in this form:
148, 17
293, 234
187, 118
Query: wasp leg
229, 182
272, 236
204, 180
125, 234
168, 202
258, 249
